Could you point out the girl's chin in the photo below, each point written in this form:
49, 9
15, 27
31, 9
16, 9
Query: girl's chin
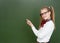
45, 19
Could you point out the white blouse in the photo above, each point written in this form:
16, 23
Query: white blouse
44, 33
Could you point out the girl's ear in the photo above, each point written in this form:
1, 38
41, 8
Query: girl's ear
49, 12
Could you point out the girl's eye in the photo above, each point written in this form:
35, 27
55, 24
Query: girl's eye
43, 13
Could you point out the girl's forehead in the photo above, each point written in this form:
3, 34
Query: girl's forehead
44, 10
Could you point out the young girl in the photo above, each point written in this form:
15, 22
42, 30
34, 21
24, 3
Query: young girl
46, 27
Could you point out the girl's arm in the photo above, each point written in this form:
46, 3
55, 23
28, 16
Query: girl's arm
47, 29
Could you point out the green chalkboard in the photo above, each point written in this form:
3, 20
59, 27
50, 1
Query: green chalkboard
13, 14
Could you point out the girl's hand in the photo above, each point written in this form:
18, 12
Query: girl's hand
29, 22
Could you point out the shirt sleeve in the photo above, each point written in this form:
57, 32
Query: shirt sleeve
46, 29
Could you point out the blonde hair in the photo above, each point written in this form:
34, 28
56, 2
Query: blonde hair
51, 9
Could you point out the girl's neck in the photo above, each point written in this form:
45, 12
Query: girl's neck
48, 18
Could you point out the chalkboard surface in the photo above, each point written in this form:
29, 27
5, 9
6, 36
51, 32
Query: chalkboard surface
13, 14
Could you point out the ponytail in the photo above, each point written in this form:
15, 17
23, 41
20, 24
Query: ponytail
52, 14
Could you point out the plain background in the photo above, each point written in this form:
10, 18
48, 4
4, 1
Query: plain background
13, 14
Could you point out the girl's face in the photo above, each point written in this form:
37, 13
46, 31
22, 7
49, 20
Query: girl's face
45, 14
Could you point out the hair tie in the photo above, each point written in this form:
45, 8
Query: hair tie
49, 7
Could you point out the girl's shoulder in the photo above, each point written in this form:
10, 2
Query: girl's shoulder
50, 22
